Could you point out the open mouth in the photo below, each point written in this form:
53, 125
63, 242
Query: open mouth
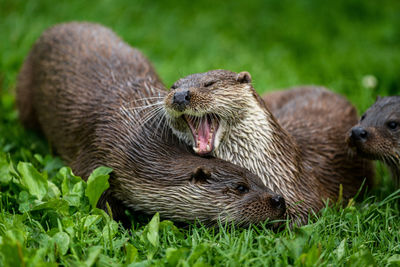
204, 130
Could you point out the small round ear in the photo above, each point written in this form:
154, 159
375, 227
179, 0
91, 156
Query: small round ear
243, 77
200, 175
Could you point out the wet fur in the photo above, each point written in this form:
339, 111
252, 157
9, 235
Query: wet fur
295, 140
92, 96
319, 121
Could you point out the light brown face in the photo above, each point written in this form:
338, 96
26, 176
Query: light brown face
202, 107
377, 135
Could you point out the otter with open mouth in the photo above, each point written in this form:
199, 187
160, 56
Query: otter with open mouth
301, 153
196, 111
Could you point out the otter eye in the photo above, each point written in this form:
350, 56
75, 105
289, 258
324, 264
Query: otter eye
174, 86
362, 117
209, 83
392, 125
242, 189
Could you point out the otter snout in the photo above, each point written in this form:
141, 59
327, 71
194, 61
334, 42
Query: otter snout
181, 99
278, 203
358, 134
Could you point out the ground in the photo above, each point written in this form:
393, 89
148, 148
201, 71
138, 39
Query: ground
351, 47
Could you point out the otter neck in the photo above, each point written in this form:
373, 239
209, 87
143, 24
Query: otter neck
259, 144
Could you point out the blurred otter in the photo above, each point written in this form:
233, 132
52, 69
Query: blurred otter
377, 134
92, 96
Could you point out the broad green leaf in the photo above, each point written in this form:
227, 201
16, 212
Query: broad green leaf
62, 241
75, 197
110, 230
131, 253
91, 220
102, 213
340, 250
39, 158
153, 226
11, 167
97, 183
52, 190
27, 202
69, 180
32, 180
58, 205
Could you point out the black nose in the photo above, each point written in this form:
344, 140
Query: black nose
358, 134
277, 202
181, 99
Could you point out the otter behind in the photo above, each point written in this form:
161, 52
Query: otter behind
377, 134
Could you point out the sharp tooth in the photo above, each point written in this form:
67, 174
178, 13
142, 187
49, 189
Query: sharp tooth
208, 147
196, 150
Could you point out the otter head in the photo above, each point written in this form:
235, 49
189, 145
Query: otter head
242, 198
189, 188
201, 108
377, 135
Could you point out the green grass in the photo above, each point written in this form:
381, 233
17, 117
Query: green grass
282, 43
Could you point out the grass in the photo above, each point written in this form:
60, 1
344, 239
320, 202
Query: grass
45, 221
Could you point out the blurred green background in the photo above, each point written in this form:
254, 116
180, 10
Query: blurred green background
351, 46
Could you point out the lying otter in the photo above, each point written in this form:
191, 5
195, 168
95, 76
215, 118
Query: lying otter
301, 153
377, 134
85, 88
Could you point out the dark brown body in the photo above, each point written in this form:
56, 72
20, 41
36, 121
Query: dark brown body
319, 121
377, 135
91, 95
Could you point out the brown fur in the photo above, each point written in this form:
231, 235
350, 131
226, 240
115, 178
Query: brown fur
300, 151
381, 123
86, 90
319, 121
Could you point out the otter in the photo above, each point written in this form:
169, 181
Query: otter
89, 93
377, 134
299, 150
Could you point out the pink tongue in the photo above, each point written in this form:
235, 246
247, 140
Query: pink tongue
203, 136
